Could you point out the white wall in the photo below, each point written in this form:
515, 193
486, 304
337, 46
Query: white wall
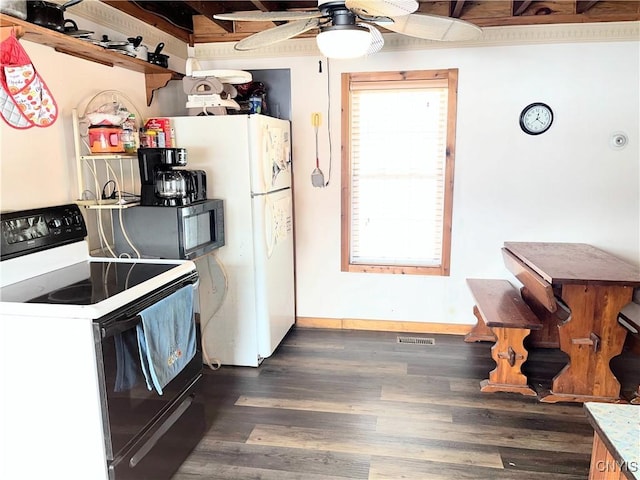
37, 166
565, 185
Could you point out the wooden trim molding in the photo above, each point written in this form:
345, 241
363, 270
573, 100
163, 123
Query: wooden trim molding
383, 325
345, 171
352, 83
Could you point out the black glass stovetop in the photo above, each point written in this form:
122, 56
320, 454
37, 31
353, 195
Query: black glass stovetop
84, 283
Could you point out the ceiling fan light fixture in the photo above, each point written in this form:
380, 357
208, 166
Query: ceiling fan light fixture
344, 41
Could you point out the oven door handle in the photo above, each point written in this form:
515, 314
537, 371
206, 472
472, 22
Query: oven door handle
114, 327
120, 327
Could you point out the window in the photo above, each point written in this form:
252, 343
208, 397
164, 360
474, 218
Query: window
398, 138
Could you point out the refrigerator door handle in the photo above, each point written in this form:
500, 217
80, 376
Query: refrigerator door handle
262, 194
269, 227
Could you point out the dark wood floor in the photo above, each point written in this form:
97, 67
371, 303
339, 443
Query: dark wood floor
359, 405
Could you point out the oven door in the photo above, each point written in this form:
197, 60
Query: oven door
163, 447
129, 408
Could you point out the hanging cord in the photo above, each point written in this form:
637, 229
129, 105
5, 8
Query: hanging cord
105, 279
126, 236
126, 280
329, 123
123, 196
103, 237
316, 125
104, 243
205, 324
119, 193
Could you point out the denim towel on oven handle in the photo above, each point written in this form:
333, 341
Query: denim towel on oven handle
167, 338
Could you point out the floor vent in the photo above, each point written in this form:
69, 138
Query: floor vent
417, 340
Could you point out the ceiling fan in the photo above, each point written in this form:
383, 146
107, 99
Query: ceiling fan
348, 27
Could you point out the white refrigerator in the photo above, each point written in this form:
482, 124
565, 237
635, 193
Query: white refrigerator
246, 293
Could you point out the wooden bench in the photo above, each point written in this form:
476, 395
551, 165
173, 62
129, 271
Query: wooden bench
538, 294
500, 307
538, 286
629, 318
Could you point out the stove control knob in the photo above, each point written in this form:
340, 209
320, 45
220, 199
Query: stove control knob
55, 223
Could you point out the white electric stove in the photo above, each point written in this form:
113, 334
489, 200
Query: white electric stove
76, 404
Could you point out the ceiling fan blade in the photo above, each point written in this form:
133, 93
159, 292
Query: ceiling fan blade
276, 34
433, 27
377, 42
260, 16
382, 8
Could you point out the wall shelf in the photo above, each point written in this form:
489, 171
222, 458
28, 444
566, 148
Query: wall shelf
113, 156
105, 204
155, 76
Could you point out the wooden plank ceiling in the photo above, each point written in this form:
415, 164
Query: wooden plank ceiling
192, 21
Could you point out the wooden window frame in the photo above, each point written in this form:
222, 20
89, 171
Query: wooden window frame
353, 80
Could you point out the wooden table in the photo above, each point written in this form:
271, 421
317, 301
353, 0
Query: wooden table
595, 286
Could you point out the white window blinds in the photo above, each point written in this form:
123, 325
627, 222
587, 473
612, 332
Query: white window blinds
398, 156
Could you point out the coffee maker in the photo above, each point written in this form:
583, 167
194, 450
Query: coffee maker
164, 180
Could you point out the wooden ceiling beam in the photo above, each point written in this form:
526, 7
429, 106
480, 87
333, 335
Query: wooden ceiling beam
285, 5
152, 19
271, 7
553, 19
236, 37
455, 8
583, 6
208, 10
520, 7
260, 5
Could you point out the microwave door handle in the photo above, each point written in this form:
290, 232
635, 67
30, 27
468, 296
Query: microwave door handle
120, 327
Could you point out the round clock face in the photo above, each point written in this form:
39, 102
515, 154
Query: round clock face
536, 118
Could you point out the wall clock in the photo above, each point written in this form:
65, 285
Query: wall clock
536, 118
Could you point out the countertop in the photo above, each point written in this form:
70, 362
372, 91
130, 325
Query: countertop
619, 428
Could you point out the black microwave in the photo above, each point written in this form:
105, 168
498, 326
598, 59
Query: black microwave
176, 232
